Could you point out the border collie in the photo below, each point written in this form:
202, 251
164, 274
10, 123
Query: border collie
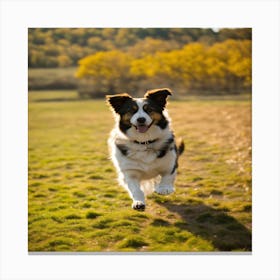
142, 145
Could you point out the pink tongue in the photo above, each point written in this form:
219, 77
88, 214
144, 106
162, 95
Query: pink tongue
142, 128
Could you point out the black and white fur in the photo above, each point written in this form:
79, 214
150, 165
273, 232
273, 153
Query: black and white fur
142, 145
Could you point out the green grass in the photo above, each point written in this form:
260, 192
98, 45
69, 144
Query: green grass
75, 203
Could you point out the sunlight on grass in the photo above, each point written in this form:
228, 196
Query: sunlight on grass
75, 203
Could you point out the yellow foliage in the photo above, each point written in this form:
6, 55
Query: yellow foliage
64, 61
224, 66
109, 71
104, 64
151, 46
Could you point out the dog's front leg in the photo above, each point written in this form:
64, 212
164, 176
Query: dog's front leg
166, 185
132, 184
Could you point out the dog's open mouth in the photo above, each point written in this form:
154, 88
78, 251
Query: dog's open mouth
142, 128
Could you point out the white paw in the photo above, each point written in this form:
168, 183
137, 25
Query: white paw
138, 205
164, 189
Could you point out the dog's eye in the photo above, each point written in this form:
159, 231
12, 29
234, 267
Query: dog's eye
133, 109
147, 108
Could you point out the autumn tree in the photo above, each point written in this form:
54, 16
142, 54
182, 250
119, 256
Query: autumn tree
104, 72
222, 68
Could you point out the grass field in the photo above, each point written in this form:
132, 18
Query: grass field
75, 203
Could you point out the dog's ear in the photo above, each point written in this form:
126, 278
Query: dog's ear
116, 101
158, 95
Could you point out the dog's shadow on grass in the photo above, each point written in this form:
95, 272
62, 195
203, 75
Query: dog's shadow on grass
222, 230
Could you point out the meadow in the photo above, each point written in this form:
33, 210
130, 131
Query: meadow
76, 205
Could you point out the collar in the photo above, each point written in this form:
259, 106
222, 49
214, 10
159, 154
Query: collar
146, 142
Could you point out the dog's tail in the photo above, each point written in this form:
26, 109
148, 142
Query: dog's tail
180, 147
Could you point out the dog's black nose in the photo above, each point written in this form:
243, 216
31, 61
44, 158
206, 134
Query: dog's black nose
141, 120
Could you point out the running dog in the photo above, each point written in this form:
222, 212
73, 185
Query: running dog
142, 145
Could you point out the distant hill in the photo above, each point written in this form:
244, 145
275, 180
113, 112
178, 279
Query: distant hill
64, 47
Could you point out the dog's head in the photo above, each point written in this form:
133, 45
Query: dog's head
140, 113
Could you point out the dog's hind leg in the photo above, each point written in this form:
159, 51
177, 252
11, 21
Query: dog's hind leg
166, 185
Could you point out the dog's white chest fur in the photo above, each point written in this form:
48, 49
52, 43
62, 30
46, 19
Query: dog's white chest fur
143, 157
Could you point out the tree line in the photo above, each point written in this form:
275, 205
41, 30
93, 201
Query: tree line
223, 67
112, 60
64, 47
